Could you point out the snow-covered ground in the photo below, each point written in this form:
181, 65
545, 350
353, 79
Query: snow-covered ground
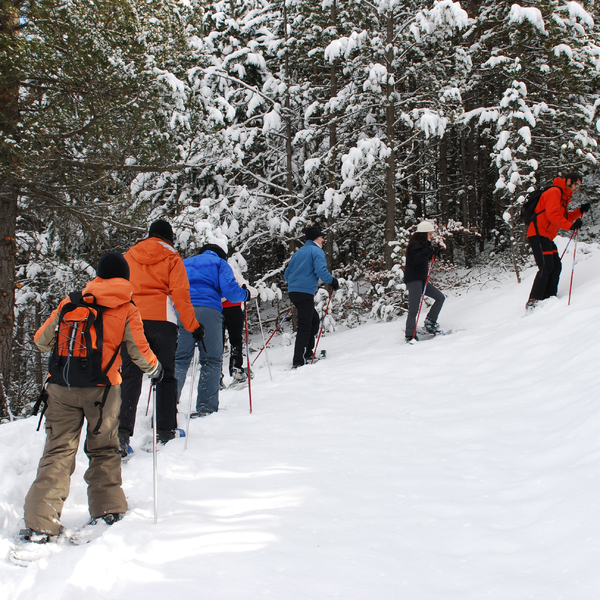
461, 468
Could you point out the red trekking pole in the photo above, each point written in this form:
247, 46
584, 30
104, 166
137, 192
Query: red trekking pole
248, 356
276, 329
423, 295
321, 330
573, 268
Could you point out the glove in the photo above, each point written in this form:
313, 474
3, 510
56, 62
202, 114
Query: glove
576, 225
335, 284
199, 334
584, 207
251, 290
437, 251
157, 374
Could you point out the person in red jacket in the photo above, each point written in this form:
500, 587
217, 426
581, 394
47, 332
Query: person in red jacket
68, 406
552, 214
161, 290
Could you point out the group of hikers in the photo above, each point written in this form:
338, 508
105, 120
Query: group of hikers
149, 310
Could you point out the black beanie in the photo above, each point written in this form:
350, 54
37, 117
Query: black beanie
161, 229
111, 265
312, 233
216, 249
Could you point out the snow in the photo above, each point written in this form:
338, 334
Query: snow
461, 468
518, 14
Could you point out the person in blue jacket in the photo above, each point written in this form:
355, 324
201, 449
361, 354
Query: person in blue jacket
306, 267
211, 279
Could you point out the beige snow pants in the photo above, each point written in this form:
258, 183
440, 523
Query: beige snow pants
64, 421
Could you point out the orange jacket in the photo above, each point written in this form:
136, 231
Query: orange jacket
121, 323
160, 283
552, 212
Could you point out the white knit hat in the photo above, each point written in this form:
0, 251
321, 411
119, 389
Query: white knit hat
425, 226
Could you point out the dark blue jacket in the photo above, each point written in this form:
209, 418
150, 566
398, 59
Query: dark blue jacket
306, 267
211, 279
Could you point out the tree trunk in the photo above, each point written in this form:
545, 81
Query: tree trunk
9, 193
390, 174
333, 89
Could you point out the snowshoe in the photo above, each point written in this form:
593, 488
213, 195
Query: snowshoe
94, 529
162, 439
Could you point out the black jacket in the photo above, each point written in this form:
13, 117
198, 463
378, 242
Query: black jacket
417, 262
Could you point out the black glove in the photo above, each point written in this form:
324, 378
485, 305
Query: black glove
335, 284
437, 251
585, 207
199, 334
157, 375
576, 225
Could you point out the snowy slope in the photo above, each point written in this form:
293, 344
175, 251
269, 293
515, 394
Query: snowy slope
461, 468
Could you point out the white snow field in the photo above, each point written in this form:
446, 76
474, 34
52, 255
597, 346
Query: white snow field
461, 468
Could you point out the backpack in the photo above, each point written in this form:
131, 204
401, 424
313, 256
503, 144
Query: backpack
76, 358
528, 214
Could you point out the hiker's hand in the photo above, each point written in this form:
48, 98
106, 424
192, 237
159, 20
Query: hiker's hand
198, 334
335, 284
437, 251
156, 375
252, 291
576, 224
585, 207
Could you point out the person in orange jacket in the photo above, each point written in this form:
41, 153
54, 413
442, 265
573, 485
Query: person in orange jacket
67, 406
552, 214
161, 290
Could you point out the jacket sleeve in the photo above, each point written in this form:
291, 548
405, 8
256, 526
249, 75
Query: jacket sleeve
419, 255
229, 287
320, 266
137, 345
179, 286
574, 215
555, 213
45, 336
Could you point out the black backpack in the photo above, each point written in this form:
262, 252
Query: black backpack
528, 214
76, 358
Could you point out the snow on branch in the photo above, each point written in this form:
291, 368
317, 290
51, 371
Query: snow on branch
445, 17
518, 14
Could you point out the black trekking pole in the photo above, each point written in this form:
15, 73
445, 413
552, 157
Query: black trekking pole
423, 295
561, 256
321, 330
262, 331
276, 330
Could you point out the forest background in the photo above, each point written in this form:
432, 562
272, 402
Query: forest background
247, 120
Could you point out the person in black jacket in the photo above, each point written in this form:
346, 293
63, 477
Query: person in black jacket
418, 254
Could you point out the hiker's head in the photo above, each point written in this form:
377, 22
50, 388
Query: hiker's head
315, 234
161, 229
111, 265
426, 227
573, 181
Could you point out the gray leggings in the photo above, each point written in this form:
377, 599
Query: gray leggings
415, 289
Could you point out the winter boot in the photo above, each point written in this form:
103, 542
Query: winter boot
124, 448
431, 327
239, 375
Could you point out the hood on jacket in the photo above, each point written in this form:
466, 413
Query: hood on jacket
110, 292
561, 183
151, 251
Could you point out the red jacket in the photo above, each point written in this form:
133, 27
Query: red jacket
552, 212
160, 283
121, 322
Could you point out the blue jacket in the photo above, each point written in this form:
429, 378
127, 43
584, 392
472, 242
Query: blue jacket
211, 279
306, 267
